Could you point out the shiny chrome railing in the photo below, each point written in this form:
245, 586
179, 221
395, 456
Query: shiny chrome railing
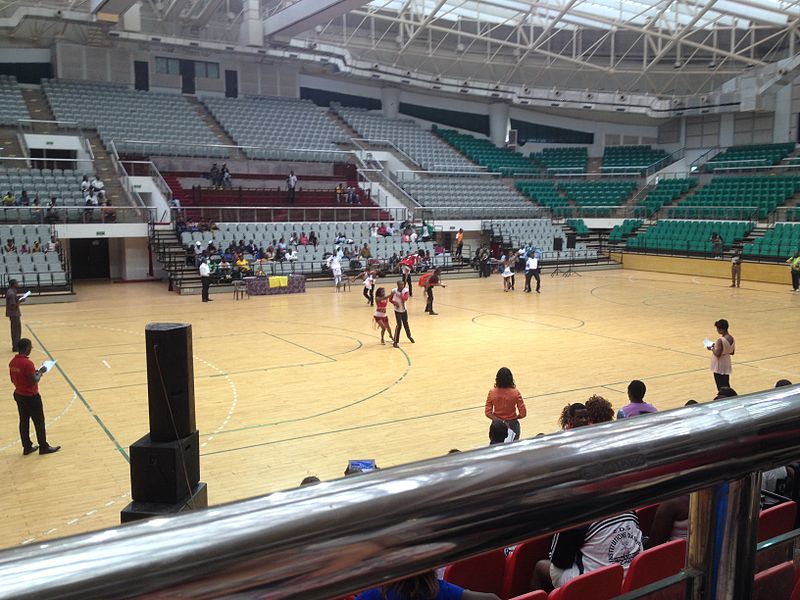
330, 539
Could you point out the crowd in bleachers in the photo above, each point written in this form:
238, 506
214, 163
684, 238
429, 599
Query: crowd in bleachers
603, 558
31, 255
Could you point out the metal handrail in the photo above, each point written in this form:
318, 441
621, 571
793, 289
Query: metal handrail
327, 540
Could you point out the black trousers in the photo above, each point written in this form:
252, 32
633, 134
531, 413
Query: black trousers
795, 279
206, 283
538, 279
458, 249
722, 380
30, 409
429, 303
16, 332
369, 294
407, 283
401, 319
291, 196
513, 425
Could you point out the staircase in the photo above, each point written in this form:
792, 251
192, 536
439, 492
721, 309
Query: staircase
39, 108
215, 127
183, 278
10, 148
104, 167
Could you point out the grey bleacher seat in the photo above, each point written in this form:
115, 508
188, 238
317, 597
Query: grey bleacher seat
168, 119
12, 104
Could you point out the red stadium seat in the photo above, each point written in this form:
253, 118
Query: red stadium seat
537, 595
654, 564
774, 583
601, 584
796, 591
520, 564
777, 520
646, 515
482, 573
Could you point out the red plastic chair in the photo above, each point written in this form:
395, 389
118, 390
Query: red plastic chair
774, 583
601, 584
656, 563
646, 516
520, 564
776, 520
482, 573
537, 595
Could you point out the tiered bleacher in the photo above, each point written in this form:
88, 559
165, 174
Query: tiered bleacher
543, 193
630, 159
689, 236
620, 232
758, 155
781, 241
594, 197
309, 257
167, 123
485, 153
31, 269
563, 161
12, 104
664, 192
578, 226
45, 184
432, 153
540, 233
733, 197
280, 127
450, 196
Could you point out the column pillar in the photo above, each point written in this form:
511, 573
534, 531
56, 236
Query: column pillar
782, 121
498, 123
390, 102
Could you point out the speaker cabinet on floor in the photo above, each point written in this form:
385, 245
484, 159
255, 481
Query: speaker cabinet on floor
558, 244
570, 241
164, 472
170, 381
136, 511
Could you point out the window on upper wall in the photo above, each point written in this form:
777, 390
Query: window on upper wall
167, 66
208, 70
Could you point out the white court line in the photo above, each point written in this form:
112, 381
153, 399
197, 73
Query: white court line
105, 362
48, 423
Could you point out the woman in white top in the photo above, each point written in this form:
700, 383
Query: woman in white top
508, 273
721, 352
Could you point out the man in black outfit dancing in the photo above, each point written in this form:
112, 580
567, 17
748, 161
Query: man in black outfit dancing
433, 280
398, 298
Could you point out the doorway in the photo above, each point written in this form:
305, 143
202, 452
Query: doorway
186, 69
89, 258
141, 75
231, 84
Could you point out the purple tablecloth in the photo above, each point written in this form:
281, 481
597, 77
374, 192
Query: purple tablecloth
259, 286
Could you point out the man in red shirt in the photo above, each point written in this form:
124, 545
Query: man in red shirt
25, 378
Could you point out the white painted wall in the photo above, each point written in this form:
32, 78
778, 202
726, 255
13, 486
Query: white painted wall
455, 225
151, 196
129, 258
71, 143
97, 230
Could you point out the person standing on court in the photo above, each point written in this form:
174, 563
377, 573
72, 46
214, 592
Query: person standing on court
25, 377
13, 313
504, 402
205, 279
736, 268
532, 270
794, 263
291, 184
431, 281
721, 352
398, 298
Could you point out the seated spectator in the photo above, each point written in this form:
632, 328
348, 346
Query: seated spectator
23, 249
636, 404
85, 185
382, 231
24, 200
36, 247
215, 176
53, 245
310, 480
671, 522
340, 193
10, 246
312, 239
599, 409
52, 211
373, 230
36, 210
691, 403
303, 238
226, 179
260, 271
782, 383
9, 199
269, 254
225, 268
413, 237
242, 265
291, 254
294, 240
500, 433
365, 252
425, 232
99, 188
424, 586
352, 195
108, 214
573, 415
405, 238
504, 402
390, 229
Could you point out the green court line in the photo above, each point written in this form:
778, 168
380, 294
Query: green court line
86, 404
277, 337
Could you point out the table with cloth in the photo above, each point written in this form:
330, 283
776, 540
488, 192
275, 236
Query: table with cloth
278, 284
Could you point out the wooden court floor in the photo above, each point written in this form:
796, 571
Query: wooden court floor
290, 386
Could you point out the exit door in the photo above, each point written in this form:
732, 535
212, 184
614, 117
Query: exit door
89, 258
186, 70
141, 75
231, 84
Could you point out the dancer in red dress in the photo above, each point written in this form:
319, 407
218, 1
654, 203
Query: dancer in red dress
381, 320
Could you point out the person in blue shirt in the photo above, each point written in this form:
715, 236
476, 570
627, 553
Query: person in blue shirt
424, 586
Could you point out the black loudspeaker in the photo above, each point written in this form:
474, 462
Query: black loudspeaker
164, 472
136, 511
570, 241
170, 381
558, 244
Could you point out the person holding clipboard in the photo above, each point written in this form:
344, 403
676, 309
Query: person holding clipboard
13, 313
25, 377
